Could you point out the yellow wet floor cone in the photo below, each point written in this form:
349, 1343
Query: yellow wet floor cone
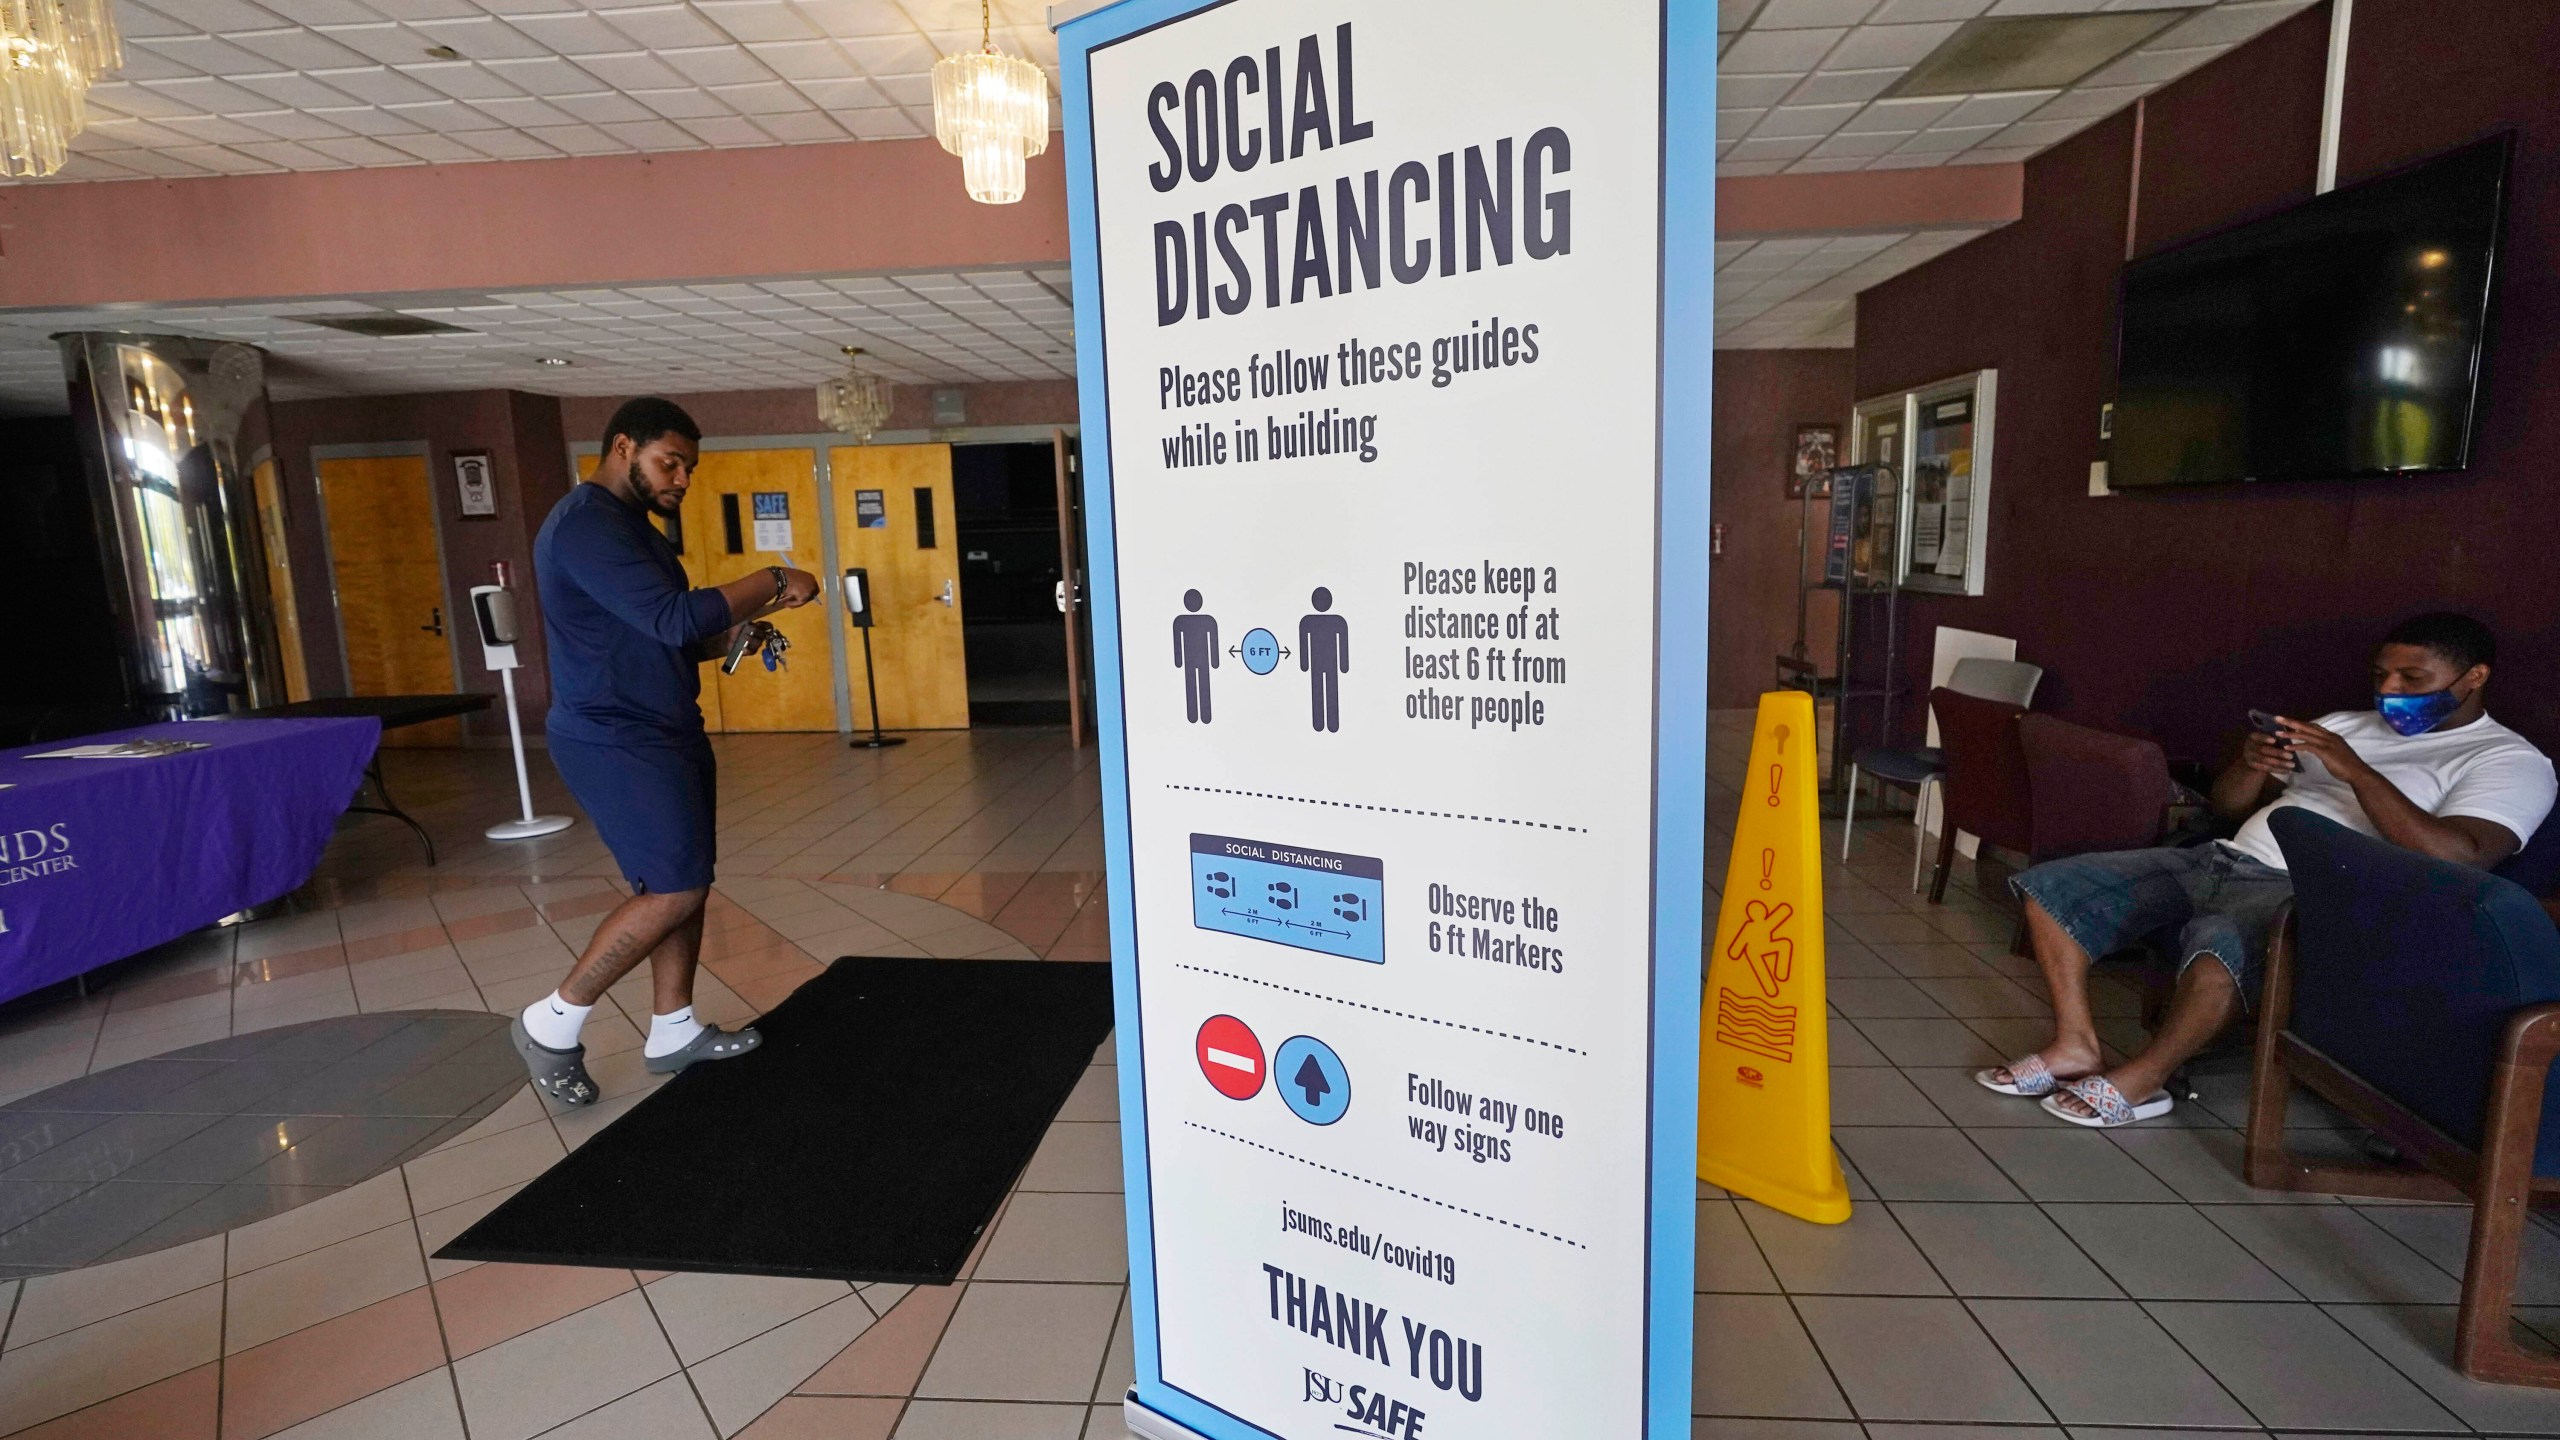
1764, 1049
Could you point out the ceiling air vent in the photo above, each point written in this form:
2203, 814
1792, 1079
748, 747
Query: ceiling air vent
2030, 52
384, 325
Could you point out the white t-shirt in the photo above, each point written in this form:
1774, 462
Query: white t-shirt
2483, 770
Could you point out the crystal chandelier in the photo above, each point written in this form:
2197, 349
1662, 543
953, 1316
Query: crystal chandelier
992, 111
856, 403
51, 52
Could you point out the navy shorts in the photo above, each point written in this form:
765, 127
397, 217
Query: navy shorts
2222, 902
653, 801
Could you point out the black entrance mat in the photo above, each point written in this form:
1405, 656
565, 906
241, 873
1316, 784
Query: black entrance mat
871, 1138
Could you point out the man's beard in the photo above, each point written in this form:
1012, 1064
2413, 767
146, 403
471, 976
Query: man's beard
650, 497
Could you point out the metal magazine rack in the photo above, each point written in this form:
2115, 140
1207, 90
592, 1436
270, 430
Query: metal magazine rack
1854, 523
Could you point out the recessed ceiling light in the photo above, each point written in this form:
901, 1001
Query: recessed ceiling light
444, 52
552, 360
2029, 52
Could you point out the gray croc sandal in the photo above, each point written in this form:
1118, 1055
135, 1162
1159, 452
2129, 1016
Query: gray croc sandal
713, 1043
560, 1074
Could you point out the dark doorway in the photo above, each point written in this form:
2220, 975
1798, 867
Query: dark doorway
1006, 497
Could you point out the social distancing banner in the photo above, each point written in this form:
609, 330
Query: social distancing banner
1764, 1067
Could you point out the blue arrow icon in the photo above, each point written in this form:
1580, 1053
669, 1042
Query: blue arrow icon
1318, 1090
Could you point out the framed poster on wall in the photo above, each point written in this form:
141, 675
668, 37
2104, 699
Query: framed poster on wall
1393, 348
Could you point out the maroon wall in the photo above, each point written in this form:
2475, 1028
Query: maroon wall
1761, 396
523, 437
2171, 614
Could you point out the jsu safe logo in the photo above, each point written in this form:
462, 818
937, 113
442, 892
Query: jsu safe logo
1372, 1412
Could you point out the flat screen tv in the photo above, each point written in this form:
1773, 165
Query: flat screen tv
2339, 338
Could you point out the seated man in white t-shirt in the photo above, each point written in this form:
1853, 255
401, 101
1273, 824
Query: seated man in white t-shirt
2426, 769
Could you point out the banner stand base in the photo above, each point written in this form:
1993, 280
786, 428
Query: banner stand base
1150, 1425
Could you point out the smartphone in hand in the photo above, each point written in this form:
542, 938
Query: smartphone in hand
2265, 724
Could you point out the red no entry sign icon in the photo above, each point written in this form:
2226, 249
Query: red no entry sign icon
1230, 1057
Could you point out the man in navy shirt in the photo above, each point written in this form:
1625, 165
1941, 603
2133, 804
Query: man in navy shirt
627, 638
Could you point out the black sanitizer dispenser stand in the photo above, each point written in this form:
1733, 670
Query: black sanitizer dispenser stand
857, 610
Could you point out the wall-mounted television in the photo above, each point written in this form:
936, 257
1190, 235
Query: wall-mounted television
2341, 337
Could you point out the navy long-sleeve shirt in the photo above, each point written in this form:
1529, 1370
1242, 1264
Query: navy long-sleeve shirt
622, 625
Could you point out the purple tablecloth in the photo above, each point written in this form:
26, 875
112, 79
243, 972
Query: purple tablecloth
101, 859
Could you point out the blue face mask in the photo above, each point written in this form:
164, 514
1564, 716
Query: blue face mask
2416, 714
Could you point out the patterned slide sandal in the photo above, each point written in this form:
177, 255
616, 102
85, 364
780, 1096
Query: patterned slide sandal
2101, 1096
560, 1074
713, 1043
2027, 1077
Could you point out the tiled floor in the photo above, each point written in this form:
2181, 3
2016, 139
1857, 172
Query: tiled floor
2002, 1275
155, 1153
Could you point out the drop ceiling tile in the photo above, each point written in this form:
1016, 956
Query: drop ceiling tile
356, 150
665, 27
1875, 47
2154, 67
1811, 14
2086, 103
1752, 91
1827, 87
801, 127
1778, 52
1776, 149
1737, 123
2230, 24
1908, 160
574, 33
385, 43
425, 9
1750, 167
770, 98
292, 125
910, 90
843, 94
377, 85
482, 38
522, 111
630, 71
461, 80
301, 92
286, 155
727, 133
1886, 115
804, 60
1999, 109
722, 64
205, 96
683, 104
2041, 132
905, 54
603, 107
2047, 7
547, 76
1803, 120
449, 117
884, 124
294, 48
214, 129
855, 17
367, 120
1908, 12
579, 139
1946, 139
753, 20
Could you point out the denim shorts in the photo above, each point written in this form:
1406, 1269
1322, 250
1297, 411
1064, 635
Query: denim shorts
2222, 902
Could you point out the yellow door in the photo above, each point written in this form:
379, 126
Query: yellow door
288, 615
389, 572
750, 509
894, 518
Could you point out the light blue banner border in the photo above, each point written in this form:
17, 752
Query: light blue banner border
1687, 329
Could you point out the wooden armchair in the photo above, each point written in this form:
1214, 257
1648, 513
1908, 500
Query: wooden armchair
2423, 999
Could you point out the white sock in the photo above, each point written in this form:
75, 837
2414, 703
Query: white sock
554, 1023
671, 1033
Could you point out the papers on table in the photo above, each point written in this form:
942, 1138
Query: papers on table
125, 750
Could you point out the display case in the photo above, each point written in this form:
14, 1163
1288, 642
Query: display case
1936, 439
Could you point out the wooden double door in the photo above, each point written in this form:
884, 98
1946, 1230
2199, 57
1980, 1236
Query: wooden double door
893, 517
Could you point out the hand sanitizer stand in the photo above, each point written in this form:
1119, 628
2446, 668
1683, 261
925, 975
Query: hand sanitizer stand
494, 606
